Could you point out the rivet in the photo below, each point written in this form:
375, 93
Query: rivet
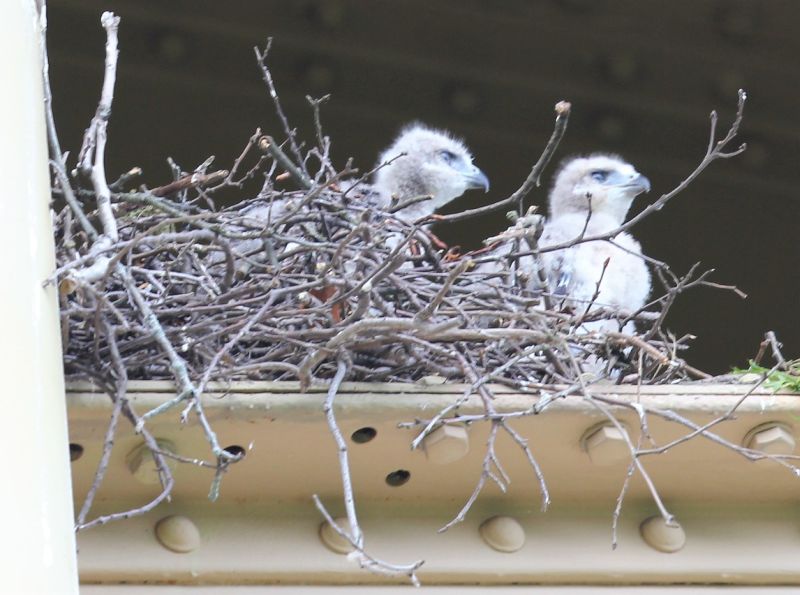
772, 438
332, 540
446, 444
662, 537
503, 533
178, 533
142, 465
606, 445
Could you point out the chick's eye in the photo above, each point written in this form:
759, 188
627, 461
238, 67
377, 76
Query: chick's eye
599, 175
448, 156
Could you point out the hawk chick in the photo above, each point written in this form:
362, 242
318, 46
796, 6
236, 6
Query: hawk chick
591, 196
424, 161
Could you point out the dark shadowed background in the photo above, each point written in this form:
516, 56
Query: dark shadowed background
642, 78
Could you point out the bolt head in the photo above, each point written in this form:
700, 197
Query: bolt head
606, 445
446, 444
178, 533
662, 537
772, 439
503, 533
331, 539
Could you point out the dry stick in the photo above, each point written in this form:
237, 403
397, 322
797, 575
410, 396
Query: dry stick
212, 365
537, 470
315, 104
490, 458
562, 109
122, 248
273, 93
772, 340
229, 179
485, 474
355, 535
186, 387
669, 415
268, 145
501, 419
615, 516
409, 201
194, 180
344, 465
91, 159
56, 156
669, 519
728, 415
715, 150
119, 184
97, 171
644, 431
164, 472
108, 444
365, 560
431, 308
521, 442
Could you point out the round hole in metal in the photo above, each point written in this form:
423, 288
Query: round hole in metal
75, 451
363, 435
235, 450
398, 478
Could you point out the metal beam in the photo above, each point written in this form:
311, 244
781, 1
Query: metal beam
38, 535
265, 530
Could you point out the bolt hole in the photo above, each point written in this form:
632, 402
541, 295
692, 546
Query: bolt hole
75, 451
235, 450
363, 435
398, 478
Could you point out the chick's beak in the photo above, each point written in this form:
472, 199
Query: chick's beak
641, 183
476, 178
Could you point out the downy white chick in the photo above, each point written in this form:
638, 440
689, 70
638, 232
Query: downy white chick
424, 161
591, 196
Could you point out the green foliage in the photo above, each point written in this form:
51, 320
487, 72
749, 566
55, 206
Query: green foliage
778, 379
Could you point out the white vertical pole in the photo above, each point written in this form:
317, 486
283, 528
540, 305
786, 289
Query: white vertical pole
37, 541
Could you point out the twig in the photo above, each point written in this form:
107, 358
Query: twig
261, 56
268, 145
562, 110
354, 536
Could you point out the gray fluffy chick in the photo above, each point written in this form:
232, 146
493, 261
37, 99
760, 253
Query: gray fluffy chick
591, 196
423, 161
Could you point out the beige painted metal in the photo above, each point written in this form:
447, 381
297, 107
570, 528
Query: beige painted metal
442, 590
741, 520
38, 538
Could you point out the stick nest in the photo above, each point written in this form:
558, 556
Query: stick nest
282, 286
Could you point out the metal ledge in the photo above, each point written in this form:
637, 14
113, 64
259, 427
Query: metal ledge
741, 518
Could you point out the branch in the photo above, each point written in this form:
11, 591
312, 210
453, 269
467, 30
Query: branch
562, 110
